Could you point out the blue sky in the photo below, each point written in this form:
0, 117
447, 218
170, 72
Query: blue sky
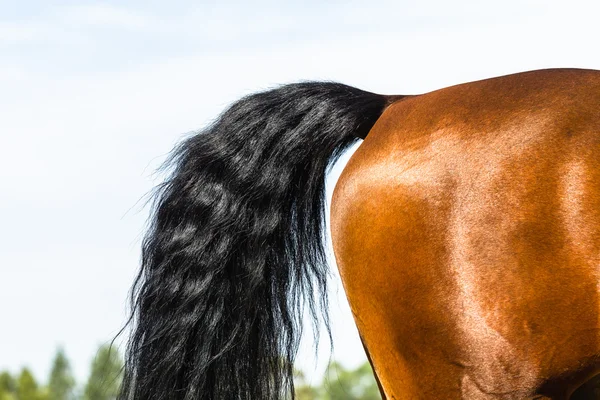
94, 94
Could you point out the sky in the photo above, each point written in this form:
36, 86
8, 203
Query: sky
93, 95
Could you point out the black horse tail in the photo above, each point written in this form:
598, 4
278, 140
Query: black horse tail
235, 248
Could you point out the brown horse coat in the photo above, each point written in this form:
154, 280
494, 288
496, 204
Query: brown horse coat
466, 229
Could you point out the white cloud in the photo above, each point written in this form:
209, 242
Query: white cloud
11, 73
111, 16
69, 24
19, 32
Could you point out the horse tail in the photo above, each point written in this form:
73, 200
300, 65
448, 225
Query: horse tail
235, 247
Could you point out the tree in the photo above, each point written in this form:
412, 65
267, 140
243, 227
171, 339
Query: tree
27, 388
344, 384
61, 383
339, 383
105, 376
8, 386
302, 389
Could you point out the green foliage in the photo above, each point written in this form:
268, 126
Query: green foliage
344, 384
61, 383
7, 382
27, 388
8, 386
106, 375
304, 391
7, 395
340, 383
105, 378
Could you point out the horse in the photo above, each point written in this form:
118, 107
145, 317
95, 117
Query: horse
466, 230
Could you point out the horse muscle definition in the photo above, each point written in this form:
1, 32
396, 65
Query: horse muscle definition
466, 228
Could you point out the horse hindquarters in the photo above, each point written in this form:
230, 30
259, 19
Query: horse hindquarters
467, 229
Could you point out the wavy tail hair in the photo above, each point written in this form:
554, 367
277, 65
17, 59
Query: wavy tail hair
235, 248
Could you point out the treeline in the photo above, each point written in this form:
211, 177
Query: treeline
106, 371
339, 383
102, 383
